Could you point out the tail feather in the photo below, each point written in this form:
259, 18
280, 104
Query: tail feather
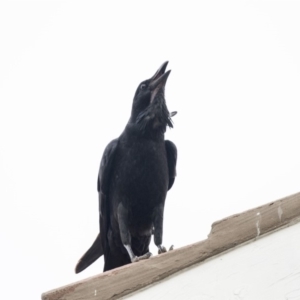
94, 252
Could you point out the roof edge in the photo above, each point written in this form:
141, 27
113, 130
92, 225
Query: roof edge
225, 234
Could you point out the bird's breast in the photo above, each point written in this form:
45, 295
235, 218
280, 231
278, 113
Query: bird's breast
141, 172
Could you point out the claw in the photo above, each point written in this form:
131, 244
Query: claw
138, 258
162, 249
145, 256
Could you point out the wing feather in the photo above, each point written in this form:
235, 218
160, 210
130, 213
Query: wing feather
172, 160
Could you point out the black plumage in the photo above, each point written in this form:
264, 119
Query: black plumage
136, 171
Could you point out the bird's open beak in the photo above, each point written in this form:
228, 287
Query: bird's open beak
158, 80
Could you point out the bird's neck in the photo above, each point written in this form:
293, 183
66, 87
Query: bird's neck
134, 131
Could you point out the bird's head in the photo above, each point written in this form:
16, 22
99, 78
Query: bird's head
149, 109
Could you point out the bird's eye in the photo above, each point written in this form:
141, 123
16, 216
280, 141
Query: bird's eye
143, 86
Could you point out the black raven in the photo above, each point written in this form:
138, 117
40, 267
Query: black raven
136, 171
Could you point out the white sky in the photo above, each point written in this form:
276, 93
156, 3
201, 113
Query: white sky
68, 72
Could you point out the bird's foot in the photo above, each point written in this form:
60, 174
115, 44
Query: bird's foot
138, 258
162, 249
145, 256
134, 259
